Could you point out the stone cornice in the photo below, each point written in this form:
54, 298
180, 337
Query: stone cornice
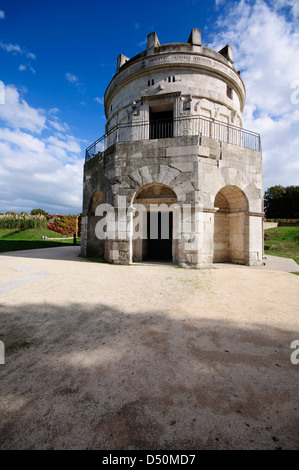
160, 97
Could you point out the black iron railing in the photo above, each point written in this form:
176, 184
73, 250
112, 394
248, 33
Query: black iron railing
161, 129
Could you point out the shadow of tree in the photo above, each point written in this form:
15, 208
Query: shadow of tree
93, 377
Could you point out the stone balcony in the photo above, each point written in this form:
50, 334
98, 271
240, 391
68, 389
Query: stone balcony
161, 129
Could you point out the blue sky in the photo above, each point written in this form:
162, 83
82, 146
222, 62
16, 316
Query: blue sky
58, 57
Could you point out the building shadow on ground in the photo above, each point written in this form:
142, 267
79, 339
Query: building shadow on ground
90, 376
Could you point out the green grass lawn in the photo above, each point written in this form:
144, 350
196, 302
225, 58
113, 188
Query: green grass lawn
283, 241
13, 240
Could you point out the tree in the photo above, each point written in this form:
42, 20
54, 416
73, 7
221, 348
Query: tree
39, 212
282, 202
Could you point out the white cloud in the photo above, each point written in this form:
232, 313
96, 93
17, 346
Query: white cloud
41, 170
17, 114
99, 100
61, 127
74, 80
142, 43
2, 14
266, 43
10, 47
16, 49
71, 78
30, 55
23, 67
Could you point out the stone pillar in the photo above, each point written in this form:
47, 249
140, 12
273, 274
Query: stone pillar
255, 240
84, 234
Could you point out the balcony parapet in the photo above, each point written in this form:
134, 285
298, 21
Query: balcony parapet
160, 129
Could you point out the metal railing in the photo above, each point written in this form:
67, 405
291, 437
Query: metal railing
161, 129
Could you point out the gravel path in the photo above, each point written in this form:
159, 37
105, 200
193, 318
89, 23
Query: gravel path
145, 357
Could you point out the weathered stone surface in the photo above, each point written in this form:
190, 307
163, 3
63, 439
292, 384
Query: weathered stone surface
201, 160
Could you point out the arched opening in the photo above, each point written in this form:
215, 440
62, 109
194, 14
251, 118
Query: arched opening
153, 203
95, 247
231, 226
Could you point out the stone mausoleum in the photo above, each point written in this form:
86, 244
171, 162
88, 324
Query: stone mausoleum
174, 139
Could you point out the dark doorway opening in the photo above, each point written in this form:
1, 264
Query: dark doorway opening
161, 124
159, 226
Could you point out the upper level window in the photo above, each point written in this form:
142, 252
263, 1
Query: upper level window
229, 92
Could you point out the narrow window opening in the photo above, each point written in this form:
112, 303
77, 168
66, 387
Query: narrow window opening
148, 83
229, 92
153, 81
173, 79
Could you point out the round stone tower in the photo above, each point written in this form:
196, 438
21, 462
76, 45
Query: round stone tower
175, 177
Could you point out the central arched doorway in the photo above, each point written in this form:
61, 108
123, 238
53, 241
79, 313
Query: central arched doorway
157, 200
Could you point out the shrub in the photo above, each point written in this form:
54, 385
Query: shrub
64, 224
22, 221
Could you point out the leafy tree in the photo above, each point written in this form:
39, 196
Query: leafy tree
282, 202
39, 212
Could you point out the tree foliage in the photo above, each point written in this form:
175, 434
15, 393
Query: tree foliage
38, 212
282, 202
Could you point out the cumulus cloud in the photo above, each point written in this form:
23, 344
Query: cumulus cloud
18, 114
265, 40
40, 160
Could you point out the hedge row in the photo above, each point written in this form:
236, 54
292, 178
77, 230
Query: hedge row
23, 222
64, 224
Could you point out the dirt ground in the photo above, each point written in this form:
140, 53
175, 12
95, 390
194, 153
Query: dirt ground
145, 357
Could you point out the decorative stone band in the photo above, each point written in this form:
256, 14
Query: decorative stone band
160, 97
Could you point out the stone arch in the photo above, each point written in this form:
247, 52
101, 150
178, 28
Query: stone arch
161, 174
231, 226
96, 199
156, 209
